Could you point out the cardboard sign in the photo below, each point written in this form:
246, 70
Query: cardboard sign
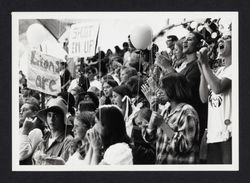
83, 39
43, 73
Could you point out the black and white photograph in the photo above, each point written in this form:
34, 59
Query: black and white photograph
125, 91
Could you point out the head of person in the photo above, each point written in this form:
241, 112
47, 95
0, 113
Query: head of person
176, 88
87, 101
54, 114
119, 92
171, 39
91, 72
125, 46
142, 117
126, 73
109, 123
63, 65
224, 46
69, 98
192, 42
135, 83
178, 49
107, 87
116, 62
82, 122
27, 110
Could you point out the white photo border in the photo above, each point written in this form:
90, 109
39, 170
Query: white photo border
232, 15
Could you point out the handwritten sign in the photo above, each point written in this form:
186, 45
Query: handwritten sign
83, 39
43, 73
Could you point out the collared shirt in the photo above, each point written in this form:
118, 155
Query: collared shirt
59, 148
183, 147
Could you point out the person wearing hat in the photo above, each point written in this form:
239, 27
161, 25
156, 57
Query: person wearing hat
55, 148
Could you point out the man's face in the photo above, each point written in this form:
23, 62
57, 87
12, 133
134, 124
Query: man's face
55, 120
170, 44
25, 112
190, 44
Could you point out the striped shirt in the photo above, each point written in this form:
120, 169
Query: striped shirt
183, 147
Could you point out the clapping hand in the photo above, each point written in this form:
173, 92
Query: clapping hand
163, 61
152, 83
147, 91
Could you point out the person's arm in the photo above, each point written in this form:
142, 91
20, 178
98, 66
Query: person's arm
95, 145
149, 133
66, 148
186, 135
203, 89
25, 147
216, 84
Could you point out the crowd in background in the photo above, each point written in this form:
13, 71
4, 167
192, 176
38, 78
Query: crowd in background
135, 107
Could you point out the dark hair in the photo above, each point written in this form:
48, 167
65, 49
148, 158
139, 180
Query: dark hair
125, 44
112, 83
135, 83
87, 118
92, 95
172, 37
107, 77
130, 71
199, 37
176, 87
69, 98
113, 123
86, 106
122, 90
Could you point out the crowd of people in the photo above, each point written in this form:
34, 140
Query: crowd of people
135, 107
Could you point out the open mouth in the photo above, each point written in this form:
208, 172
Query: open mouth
221, 47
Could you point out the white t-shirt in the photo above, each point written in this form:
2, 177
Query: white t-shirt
219, 110
118, 154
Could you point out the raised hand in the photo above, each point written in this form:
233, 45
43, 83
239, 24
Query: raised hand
202, 56
152, 83
147, 91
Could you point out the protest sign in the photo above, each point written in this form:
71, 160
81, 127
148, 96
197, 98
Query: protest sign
43, 73
83, 39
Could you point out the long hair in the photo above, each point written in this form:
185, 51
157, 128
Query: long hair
113, 122
176, 87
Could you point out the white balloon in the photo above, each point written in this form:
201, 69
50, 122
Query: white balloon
36, 34
141, 36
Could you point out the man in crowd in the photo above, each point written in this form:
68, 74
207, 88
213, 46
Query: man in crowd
55, 148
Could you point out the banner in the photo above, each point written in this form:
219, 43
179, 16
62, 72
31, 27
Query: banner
83, 39
43, 73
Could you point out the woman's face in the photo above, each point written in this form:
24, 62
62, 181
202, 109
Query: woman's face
190, 44
107, 89
79, 129
124, 76
116, 99
177, 52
